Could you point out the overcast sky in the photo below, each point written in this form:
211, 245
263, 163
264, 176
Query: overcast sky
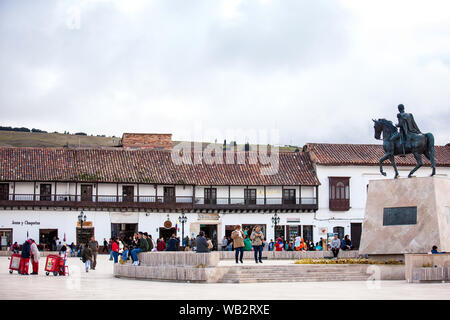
315, 71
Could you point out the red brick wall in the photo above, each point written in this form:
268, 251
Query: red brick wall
147, 141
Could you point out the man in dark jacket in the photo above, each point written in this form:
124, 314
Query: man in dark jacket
149, 241
25, 258
202, 243
143, 243
93, 244
143, 246
172, 244
86, 256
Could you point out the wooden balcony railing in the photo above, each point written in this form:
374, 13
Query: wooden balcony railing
339, 204
177, 202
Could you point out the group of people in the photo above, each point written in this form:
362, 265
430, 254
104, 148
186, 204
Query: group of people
121, 248
30, 251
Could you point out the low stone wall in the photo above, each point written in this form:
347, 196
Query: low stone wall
173, 266
416, 272
179, 258
278, 255
170, 273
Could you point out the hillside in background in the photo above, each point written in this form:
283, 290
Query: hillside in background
32, 139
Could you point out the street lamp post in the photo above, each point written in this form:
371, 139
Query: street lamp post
81, 219
182, 220
275, 221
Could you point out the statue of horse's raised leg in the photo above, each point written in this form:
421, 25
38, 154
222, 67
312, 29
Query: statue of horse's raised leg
387, 155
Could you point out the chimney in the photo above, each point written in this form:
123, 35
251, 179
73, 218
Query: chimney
159, 141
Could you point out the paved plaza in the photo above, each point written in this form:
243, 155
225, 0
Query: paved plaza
100, 284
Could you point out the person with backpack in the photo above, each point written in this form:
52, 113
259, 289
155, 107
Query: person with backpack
86, 256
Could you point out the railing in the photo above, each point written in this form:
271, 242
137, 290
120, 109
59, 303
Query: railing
339, 204
189, 202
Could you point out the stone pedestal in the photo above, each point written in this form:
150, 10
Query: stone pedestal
406, 216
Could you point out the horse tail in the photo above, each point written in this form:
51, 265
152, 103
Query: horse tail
430, 143
430, 148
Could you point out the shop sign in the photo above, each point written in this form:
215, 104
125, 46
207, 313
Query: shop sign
208, 216
86, 224
26, 222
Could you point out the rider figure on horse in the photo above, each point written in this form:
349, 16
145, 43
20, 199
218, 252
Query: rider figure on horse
407, 127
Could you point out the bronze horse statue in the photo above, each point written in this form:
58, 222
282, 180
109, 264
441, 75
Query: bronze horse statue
419, 144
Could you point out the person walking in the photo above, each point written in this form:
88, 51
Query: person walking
238, 242
335, 246
109, 248
35, 256
25, 258
257, 238
105, 246
86, 256
72, 249
202, 243
115, 250
93, 244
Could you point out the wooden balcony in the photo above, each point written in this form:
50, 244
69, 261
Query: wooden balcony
339, 204
159, 202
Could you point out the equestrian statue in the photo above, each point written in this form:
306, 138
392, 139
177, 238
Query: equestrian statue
409, 139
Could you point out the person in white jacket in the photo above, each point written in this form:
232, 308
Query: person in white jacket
35, 256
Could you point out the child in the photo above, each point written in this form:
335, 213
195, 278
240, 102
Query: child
124, 256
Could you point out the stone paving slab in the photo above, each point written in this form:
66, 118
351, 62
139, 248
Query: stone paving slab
100, 284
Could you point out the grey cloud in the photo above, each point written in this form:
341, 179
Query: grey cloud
288, 65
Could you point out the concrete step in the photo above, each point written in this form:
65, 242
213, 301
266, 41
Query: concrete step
294, 279
295, 273
230, 276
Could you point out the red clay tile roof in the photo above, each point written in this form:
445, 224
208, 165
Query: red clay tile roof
144, 166
330, 154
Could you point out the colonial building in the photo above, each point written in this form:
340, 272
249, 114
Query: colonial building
123, 190
138, 187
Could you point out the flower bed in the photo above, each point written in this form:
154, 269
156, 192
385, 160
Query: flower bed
346, 261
